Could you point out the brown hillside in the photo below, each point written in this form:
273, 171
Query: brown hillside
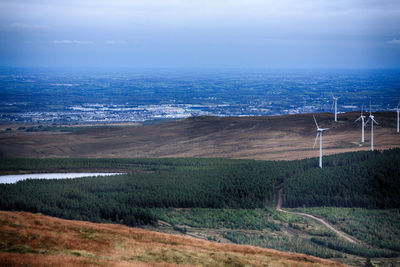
27, 239
267, 138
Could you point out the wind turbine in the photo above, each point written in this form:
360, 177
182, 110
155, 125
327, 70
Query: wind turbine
335, 99
371, 118
362, 117
398, 110
319, 134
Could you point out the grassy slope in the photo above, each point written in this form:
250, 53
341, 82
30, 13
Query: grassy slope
267, 138
375, 230
28, 239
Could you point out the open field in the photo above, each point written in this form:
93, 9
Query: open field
285, 137
37, 240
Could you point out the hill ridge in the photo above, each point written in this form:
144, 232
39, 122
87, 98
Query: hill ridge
285, 137
38, 240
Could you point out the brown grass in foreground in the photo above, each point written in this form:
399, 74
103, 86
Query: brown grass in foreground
28, 239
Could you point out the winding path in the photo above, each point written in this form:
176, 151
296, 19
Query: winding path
339, 233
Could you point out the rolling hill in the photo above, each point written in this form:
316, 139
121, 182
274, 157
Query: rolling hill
285, 137
38, 240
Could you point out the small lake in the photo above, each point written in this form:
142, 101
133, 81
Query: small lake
13, 178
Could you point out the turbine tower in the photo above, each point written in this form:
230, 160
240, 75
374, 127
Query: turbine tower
371, 118
319, 134
398, 110
362, 118
335, 99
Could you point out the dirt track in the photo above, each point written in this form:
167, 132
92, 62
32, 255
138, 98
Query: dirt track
339, 233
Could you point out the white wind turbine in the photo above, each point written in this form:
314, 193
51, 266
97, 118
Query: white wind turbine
362, 118
398, 110
335, 99
319, 134
371, 118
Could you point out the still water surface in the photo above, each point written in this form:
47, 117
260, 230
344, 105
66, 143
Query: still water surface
11, 179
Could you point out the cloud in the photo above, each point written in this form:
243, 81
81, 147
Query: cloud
116, 42
26, 26
394, 41
71, 42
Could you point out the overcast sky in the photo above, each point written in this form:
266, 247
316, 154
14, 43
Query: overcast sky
201, 33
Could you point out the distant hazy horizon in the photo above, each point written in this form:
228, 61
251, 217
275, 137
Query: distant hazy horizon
192, 68
49, 95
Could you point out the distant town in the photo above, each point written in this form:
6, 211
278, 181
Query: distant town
102, 113
67, 97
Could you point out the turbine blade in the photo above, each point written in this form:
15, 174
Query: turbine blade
362, 108
359, 118
370, 109
325, 129
315, 121
375, 122
316, 138
367, 122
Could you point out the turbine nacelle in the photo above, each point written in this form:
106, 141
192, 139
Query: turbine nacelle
371, 118
334, 104
316, 124
319, 135
322, 129
398, 117
362, 117
319, 131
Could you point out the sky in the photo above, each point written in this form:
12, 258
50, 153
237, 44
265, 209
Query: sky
200, 34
